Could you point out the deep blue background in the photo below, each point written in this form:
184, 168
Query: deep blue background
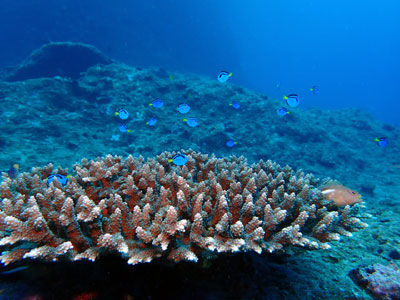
349, 49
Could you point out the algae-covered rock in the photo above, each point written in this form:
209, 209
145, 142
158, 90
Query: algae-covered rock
64, 59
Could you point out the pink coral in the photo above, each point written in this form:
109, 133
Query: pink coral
148, 208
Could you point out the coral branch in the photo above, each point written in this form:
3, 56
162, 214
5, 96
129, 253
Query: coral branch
145, 209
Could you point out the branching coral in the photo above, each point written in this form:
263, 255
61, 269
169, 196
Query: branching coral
149, 208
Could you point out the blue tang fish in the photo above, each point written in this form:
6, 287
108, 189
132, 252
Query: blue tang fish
157, 103
282, 111
122, 113
13, 171
123, 128
179, 159
314, 89
183, 108
151, 122
223, 76
292, 100
60, 178
382, 142
235, 104
191, 122
230, 143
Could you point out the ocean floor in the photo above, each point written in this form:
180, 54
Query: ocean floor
61, 120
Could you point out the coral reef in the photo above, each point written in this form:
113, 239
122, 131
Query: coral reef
382, 282
149, 208
58, 120
65, 59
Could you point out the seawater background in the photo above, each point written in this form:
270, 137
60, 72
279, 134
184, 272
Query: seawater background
349, 49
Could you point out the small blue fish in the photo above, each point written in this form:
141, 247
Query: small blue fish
151, 122
230, 143
223, 76
183, 108
13, 171
314, 89
60, 178
122, 113
179, 159
382, 142
191, 122
124, 128
235, 104
158, 103
292, 100
282, 112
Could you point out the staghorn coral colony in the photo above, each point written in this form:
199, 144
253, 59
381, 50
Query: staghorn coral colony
145, 209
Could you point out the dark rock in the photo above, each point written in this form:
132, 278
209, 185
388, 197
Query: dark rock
394, 254
382, 282
333, 259
184, 134
214, 141
180, 86
367, 190
60, 101
163, 89
238, 89
72, 146
103, 100
389, 127
64, 59
361, 125
3, 142
160, 72
148, 77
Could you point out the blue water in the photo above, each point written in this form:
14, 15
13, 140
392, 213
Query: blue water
348, 49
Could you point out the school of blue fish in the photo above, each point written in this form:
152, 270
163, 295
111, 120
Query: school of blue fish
180, 159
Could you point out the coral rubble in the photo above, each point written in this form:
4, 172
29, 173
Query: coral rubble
149, 208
